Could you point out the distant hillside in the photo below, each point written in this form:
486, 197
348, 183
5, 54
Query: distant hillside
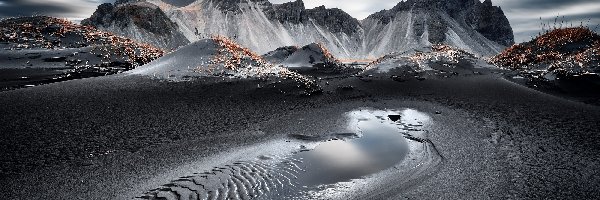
41, 50
52, 33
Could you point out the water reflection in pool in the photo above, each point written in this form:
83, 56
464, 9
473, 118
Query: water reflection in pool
388, 147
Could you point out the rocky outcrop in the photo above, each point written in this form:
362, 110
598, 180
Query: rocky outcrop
236, 6
291, 12
491, 22
334, 20
307, 56
143, 22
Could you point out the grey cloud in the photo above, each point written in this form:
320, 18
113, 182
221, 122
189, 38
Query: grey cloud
525, 30
74, 9
179, 2
539, 4
14, 8
524, 15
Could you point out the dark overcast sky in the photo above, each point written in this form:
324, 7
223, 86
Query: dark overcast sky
72, 9
524, 15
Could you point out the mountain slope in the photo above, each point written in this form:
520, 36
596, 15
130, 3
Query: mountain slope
141, 21
262, 26
41, 50
418, 23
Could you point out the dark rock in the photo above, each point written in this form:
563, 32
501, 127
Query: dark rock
117, 2
398, 79
394, 117
52, 29
491, 22
287, 12
437, 29
334, 19
234, 5
148, 18
102, 16
280, 54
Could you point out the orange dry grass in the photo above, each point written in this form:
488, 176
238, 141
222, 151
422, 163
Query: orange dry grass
559, 37
236, 53
108, 43
579, 44
232, 56
327, 53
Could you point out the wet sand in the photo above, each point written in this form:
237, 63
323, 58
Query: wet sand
116, 137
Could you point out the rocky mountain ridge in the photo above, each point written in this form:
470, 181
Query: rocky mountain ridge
475, 26
485, 18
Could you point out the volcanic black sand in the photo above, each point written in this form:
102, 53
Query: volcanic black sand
119, 136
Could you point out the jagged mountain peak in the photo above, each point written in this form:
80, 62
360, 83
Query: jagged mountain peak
234, 5
483, 17
296, 2
478, 27
140, 20
295, 12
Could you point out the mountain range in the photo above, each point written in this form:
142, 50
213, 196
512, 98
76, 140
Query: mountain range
478, 27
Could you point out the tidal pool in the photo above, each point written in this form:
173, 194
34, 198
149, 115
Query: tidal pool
388, 147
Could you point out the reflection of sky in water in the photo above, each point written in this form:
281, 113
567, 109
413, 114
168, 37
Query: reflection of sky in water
381, 146
339, 154
414, 117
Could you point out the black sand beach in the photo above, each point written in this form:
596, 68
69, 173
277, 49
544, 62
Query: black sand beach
271, 99
118, 136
